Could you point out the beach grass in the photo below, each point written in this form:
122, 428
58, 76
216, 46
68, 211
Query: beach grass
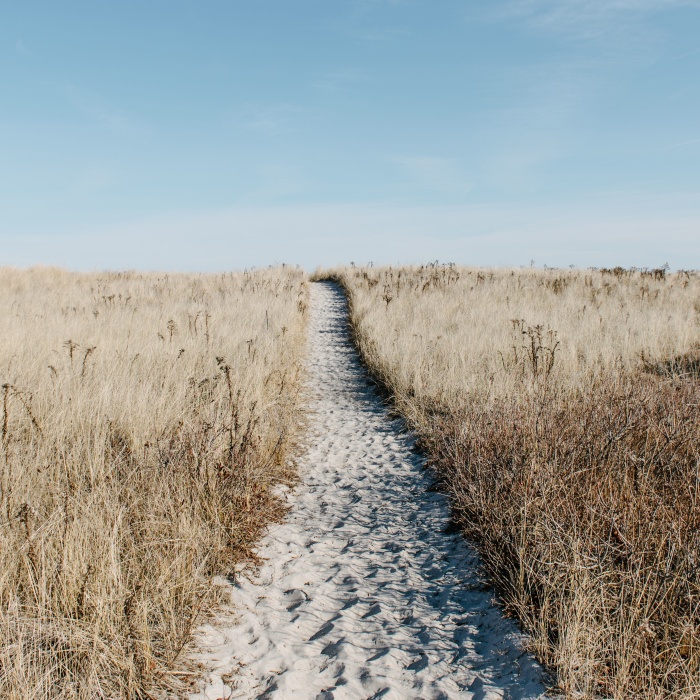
560, 410
144, 419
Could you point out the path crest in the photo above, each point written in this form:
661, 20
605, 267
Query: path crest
365, 591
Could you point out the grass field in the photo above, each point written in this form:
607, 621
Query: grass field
143, 420
560, 409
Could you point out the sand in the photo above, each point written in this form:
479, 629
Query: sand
365, 590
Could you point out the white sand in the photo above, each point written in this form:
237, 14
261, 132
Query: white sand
363, 593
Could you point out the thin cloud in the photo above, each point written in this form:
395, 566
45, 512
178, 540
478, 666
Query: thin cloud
276, 183
683, 144
22, 49
621, 20
104, 114
679, 56
309, 235
382, 33
570, 12
269, 120
373, 20
94, 178
435, 174
340, 81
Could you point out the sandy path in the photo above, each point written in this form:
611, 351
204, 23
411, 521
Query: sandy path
363, 594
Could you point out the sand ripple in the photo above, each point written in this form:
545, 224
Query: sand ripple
366, 592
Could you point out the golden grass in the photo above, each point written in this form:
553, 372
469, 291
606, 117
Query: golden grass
560, 409
143, 420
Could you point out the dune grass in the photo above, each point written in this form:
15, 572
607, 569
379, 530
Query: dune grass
144, 419
560, 409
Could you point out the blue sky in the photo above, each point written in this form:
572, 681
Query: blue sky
212, 135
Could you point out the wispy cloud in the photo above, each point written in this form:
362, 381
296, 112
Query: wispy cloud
376, 33
435, 174
373, 20
587, 12
21, 48
680, 56
275, 183
621, 20
589, 233
94, 178
684, 144
340, 81
269, 120
99, 111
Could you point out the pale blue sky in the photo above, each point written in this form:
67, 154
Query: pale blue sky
211, 135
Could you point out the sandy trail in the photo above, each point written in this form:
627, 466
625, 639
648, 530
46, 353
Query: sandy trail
365, 592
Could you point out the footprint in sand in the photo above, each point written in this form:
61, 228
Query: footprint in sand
388, 602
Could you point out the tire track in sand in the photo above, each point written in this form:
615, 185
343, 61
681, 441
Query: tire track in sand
364, 593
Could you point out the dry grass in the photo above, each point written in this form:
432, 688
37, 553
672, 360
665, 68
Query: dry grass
561, 411
143, 421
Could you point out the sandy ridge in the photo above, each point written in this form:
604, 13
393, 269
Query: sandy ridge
365, 592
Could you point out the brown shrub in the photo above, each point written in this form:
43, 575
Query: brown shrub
585, 508
560, 409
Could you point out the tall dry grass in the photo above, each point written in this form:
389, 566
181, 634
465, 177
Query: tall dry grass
143, 420
560, 409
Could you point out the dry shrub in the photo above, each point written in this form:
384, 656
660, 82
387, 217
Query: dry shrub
585, 507
143, 421
570, 450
